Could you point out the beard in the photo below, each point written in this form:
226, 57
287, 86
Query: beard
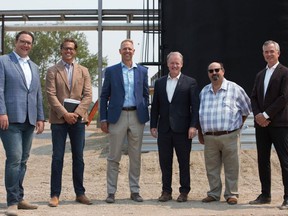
215, 77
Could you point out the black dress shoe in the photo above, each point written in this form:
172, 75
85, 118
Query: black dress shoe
261, 199
136, 197
110, 198
284, 205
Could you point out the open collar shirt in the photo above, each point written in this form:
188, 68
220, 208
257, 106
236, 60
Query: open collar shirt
223, 111
128, 77
171, 86
69, 71
24, 63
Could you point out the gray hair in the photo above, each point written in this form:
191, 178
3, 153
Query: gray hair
175, 53
266, 43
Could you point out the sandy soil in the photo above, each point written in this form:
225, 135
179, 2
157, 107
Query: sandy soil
37, 184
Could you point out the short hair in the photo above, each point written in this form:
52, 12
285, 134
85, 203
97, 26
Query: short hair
220, 63
266, 43
72, 40
175, 53
126, 40
24, 32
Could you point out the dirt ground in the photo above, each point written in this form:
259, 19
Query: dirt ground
37, 184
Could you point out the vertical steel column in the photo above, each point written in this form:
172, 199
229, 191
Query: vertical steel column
129, 18
100, 60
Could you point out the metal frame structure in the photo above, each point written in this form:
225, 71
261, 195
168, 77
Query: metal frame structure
146, 20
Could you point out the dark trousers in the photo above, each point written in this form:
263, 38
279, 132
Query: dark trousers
77, 139
182, 145
264, 139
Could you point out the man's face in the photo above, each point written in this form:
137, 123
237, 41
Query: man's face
68, 52
23, 45
174, 64
271, 55
215, 72
127, 51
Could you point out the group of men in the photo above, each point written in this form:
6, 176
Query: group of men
21, 112
178, 112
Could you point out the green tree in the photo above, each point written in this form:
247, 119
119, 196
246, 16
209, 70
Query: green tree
46, 52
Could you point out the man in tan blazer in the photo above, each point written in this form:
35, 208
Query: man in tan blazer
70, 82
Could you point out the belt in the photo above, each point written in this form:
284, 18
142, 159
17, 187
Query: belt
131, 108
219, 133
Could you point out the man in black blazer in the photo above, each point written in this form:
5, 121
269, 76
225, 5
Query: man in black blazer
270, 108
174, 115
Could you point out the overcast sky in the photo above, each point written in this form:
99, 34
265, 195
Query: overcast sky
111, 39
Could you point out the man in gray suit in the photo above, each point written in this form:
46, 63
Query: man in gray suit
21, 112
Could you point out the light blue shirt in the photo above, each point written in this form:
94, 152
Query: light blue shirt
128, 77
69, 70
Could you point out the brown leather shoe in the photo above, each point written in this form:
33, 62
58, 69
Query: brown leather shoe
165, 196
232, 201
83, 199
182, 197
54, 201
208, 199
26, 205
12, 210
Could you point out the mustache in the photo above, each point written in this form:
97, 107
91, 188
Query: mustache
215, 77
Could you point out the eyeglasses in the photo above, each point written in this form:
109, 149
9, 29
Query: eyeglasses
68, 48
25, 42
216, 70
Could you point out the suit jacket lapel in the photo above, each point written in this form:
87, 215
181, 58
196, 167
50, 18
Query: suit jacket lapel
18, 68
75, 76
261, 86
119, 75
274, 74
136, 78
34, 73
63, 73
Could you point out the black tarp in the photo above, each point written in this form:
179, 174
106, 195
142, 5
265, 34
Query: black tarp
229, 31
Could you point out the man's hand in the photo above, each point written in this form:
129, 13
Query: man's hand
104, 126
154, 132
4, 123
192, 132
39, 127
71, 118
261, 120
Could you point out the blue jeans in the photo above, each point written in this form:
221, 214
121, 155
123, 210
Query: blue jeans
77, 139
17, 142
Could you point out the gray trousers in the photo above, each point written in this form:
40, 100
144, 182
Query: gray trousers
224, 150
128, 126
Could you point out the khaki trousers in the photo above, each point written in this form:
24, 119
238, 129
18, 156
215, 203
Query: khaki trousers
224, 150
128, 126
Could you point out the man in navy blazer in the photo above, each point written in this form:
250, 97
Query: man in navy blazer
21, 111
269, 101
174, 116
123, 113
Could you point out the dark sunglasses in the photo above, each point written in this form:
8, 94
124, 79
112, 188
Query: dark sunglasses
216, 70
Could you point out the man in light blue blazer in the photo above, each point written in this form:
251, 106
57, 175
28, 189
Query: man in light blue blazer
21, 112
123, 113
